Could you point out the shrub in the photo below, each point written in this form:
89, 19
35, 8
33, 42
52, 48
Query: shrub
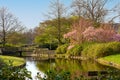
62, 49
2, 64
76, 50
50, 46
8, 72
66, 75
70, 51
56, 75
101, 50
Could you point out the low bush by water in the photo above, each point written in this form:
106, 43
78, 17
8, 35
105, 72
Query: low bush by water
62, 49
101, 50
66, 75
11, 71
76, 50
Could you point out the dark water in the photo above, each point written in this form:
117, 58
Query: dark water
76, 67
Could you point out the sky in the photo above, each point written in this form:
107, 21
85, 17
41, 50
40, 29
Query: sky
31, 12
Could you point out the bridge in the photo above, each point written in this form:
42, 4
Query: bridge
30, 52
43, 53
14, 50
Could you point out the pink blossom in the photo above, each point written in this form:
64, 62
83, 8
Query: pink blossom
116, 37
69, 34
84, 31
98, 34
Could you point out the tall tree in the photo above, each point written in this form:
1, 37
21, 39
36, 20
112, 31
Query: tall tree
30, 35
57, 11
16, 38
91, 9
8, 23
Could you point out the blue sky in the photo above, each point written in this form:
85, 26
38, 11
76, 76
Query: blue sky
30, 12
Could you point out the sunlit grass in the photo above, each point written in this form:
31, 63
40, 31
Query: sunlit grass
15, 60
113, 58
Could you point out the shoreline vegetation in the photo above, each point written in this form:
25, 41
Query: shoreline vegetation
13, 68
108, 61
104, 53
16, 61
112, 61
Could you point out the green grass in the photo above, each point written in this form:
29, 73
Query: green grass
112, 58
16, 61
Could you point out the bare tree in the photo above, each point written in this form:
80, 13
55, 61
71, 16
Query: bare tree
116, 11
8, 23
91, 9
30, 35
57, 11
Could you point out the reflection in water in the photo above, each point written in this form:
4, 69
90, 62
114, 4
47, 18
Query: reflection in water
31, 66
75, 67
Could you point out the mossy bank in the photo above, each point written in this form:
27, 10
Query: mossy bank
15, 61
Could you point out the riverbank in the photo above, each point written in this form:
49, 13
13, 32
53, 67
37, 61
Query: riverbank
16, 61
66, 56
113, 61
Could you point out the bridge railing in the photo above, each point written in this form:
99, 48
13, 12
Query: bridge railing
43, 52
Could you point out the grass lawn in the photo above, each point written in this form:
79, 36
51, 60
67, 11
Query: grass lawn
113, 58
16, 61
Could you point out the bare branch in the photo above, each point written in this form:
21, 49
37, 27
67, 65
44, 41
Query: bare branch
8, 23
91, 9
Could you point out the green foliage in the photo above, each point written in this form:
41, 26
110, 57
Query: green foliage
76, 50
2, 63
47, 32
112, 58
85, 44
8, 72
15, 60
16, 38
41, 39
55, 75
101, 50
46, 41
10, 49
50, 46
66, 75
62, 49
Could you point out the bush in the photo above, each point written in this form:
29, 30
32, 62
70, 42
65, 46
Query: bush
2, 63
76, 50
62, 49
50, 46
8, 72
101, 50
67, 75
56, 75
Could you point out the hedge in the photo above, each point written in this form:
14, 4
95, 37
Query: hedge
62, 49
101, 50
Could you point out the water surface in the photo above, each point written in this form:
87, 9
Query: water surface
75, 67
